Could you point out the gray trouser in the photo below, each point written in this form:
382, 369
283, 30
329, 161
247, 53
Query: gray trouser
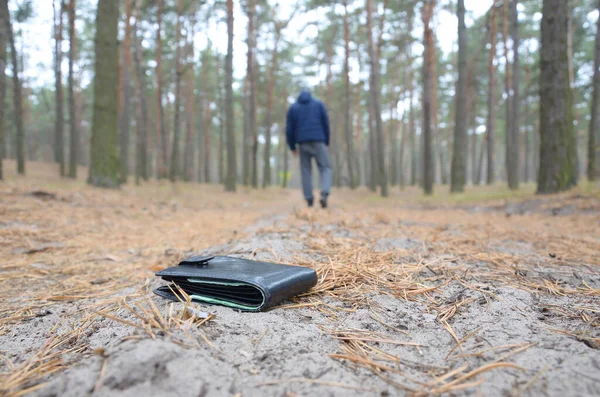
318, 150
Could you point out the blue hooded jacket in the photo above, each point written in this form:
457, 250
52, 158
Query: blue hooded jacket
307, 121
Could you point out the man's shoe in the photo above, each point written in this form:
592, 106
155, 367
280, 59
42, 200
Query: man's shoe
309, 202
323, 202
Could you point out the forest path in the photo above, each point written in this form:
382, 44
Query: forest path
499, 297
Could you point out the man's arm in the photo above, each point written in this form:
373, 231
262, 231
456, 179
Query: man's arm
325, 123
290, 132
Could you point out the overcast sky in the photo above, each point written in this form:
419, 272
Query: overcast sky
39, 43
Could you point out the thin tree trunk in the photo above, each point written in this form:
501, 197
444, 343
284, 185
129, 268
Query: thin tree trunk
514, 167
17, 95
359, 137
527, 112
104, 169
142, 121
208, 131
188, 155
231, 157
161, 132
372, 148
250, 118
4, 21
428, 170
458, 177
73, 130
348, 99
59, 124
574, 92
508, 157
592, 166
412, 130
393, 164
557, 154
269, 108
221, 107
376, 99
124, 116
491, 103
174, 171
401, 177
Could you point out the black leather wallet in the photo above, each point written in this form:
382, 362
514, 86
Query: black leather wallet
234, 282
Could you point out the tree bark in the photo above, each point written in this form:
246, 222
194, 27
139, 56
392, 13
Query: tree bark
401, 175
592, 166
174, 171
458, 176
161, 132
73, 131
125, 94
412, 129
359, 137
376, 100
207, 128
190, 114
491, 102
250, 139
142, 121
17, 94
231, 157
393, 128
514, 153
508, 157
348, 100
59, 121
269, 108
428, 171
104, 169
557, 153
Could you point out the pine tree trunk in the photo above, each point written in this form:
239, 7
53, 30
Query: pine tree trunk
4, 18
348, 100
557, 151
125, 95
231, 157
190, 114
508, 156
17, 94
574, 92
459, 156
514, 153
174, 171
59, 124
221, 118
104, 169
142, 120
161, 132
359, 138
372, 148
592, 166
401, 177
73, 131
374, 88
393, 164
412, 130
491, 102
269, 107
208, 132
428, 171
250, 118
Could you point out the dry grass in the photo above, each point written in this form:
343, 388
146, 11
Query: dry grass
99, 248
80, 244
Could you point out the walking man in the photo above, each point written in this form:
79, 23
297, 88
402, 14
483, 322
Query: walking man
308, 128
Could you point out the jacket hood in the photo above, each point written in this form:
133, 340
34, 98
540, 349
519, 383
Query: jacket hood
305, 97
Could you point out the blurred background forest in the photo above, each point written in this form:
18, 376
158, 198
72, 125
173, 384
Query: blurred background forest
420, 92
